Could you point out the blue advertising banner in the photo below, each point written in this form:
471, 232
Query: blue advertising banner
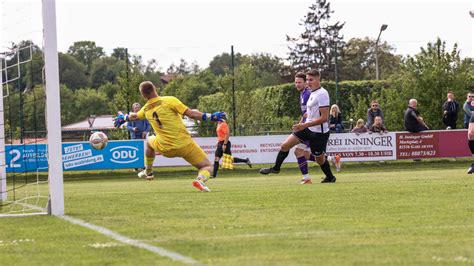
26, 158
77, 156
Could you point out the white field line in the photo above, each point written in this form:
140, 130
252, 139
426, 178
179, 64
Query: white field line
312, 233
18, 213
133, 242
22, 214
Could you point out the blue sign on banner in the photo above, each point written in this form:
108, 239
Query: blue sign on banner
77, 156
26, 158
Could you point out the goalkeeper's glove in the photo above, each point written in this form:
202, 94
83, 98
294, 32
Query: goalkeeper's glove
120, 119
217, 116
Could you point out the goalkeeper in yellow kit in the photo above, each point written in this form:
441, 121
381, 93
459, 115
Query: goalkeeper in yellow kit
172, 139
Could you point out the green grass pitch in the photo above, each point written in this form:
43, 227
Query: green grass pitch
398, 213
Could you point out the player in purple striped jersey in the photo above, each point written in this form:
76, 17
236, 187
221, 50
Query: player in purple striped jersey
315, 129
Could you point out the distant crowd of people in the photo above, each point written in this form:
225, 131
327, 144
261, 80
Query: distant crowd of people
413, 121
374, 123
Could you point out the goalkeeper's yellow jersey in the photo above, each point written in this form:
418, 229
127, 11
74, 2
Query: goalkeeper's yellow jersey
165, 115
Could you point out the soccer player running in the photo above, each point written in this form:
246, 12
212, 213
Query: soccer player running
172, 139
314, 129
223, 146
302, 150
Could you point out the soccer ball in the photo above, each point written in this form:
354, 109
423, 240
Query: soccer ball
98, 140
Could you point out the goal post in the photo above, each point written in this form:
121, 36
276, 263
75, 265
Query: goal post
53, 109
31, 168
3, 170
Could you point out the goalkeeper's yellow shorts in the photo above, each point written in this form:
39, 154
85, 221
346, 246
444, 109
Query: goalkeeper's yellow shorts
192, 153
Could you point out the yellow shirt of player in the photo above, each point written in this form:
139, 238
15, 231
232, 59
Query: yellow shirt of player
165, 115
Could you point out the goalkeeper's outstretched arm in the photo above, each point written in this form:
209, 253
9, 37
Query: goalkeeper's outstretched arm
121, 118
197, 115
132, 116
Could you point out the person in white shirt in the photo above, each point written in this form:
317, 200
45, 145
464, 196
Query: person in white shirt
314, 129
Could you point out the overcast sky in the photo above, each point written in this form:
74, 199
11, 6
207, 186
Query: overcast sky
200, 29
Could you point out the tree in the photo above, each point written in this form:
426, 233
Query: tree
25, 65
110, 89
189, 88
120, 53
72, 73
90, 102
183, 68
358, 60
106, 69
86, 52
33, 113
221, 64
270, 70
32, 117
34, 68
314, 48
68, 108
429, 75
128, 92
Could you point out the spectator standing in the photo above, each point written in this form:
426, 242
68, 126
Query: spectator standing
372, 112
470, 138
360, 127
468, 108
139, 128
335, 120
450, 111
413, 121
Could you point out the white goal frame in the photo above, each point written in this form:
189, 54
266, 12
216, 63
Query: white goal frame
3, 169
53, 109
53, 116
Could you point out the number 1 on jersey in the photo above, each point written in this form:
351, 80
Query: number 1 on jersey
155, 116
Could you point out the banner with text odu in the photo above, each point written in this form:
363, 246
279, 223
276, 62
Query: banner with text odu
76, 156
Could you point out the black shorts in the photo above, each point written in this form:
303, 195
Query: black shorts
219, 152
317, 141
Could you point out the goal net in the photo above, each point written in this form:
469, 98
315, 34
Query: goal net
30, 128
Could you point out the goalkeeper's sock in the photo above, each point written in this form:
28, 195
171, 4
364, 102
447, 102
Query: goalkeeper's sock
216, 168
279, 160
149, 164
203, 175
303, 164
312, 158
